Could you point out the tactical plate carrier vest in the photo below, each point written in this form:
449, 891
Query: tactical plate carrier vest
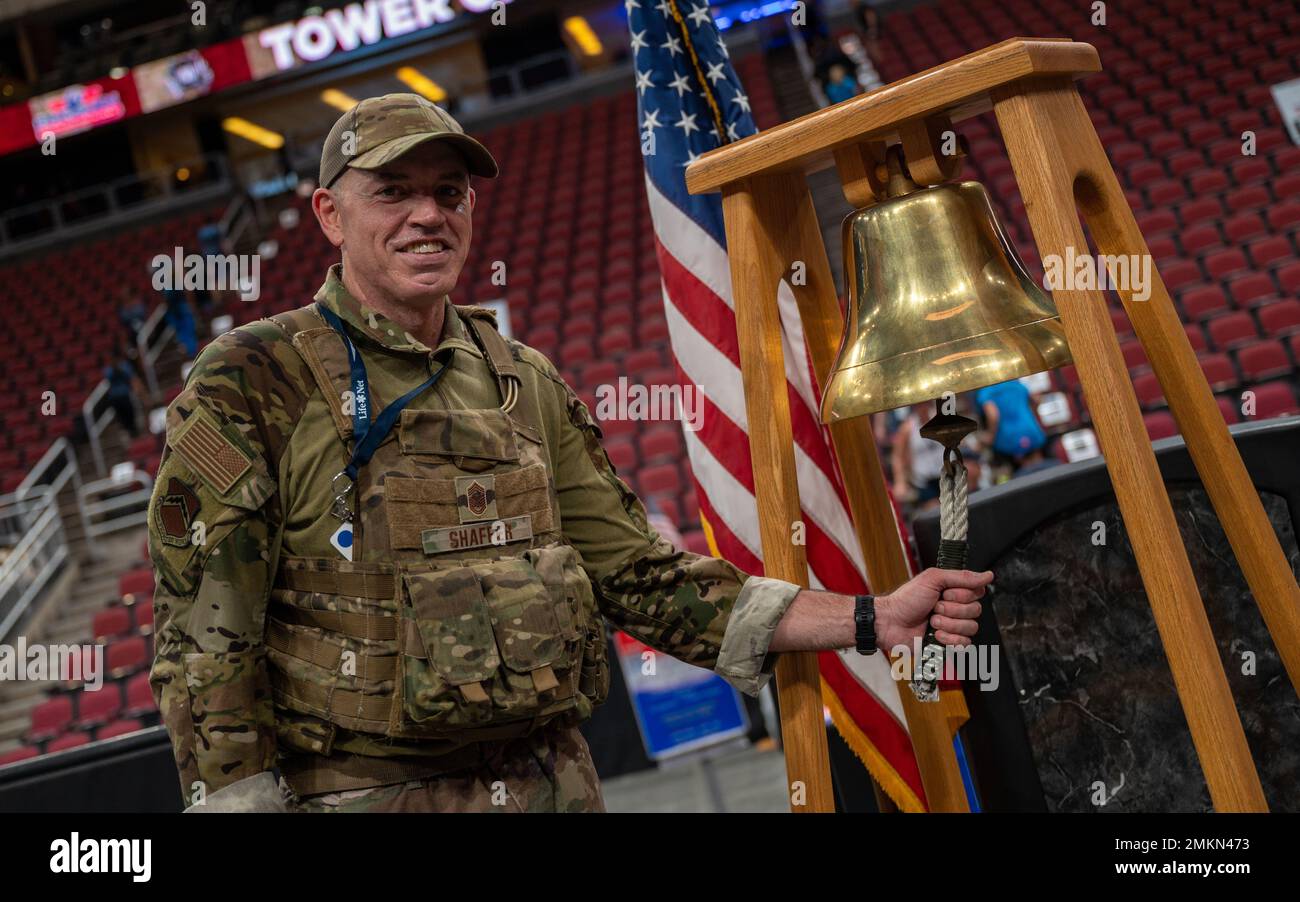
464, 614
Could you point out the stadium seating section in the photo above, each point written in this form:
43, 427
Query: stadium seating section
569, 217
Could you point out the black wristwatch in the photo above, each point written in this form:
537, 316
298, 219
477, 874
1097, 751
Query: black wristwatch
864, 616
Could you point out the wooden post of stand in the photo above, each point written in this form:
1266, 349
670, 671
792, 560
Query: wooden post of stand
1058, 162
1157, 325
755, 272
1045, 128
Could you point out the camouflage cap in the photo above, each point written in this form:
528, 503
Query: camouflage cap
378, 130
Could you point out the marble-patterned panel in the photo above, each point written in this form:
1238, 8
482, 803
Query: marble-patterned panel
1095, 690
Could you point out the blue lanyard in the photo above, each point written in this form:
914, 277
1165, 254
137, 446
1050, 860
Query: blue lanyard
367, 435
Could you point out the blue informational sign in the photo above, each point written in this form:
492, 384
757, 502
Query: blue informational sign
679, 707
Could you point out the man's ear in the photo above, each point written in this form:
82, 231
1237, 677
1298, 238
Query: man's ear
325, 204
472, 198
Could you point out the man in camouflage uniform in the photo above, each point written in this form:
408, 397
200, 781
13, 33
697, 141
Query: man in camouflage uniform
387, 540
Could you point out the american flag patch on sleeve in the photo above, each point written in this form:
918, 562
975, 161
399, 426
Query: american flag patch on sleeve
210, 452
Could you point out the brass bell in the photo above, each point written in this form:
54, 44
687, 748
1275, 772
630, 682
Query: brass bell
939, 301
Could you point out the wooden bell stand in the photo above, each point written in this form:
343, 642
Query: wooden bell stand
1062, 170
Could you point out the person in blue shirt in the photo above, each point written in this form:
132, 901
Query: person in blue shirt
123, 386
181, 318
131, 313
1017, 438
840, 85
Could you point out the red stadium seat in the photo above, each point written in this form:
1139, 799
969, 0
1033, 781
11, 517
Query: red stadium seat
1200, 210
1264, 360
662, 478
67, 741
544, 339
1119, 320
1232, 330
139, 696
1244, 227
653, 329
662, 444
1202, 303
127, 656
1280, 318
600, 372
1250, 290
100, 706
1219, 371
642, 359
136, 581
1226, 263
1148, 391
1276, 399
50, 718
622, 453
614, 427
111, 623
118, 728
79, 668
1283, 215
615, 341
1228, 407
143, 615
1134, 354
667, 505
576, 352
1268, 251
1200, 238
1160, 425
23, 753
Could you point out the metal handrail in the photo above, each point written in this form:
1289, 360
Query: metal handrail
240, 217
15, 514
150, 350
35, 480
159, 179
124, 509
32, 564
95, 427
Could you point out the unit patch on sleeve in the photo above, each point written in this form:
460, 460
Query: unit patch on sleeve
176, 512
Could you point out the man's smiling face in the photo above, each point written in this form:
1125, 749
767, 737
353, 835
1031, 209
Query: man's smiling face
404, 229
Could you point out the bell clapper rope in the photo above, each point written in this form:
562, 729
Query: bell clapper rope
954, 523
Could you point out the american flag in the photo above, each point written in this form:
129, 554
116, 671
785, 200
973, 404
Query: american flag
689, 101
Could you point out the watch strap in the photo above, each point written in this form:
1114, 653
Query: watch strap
864, 619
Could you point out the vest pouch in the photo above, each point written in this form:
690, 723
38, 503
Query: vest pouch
450, 657
533, 623
593, 681
562, 571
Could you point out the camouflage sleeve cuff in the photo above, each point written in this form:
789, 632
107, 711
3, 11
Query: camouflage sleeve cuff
743, 660
258, 794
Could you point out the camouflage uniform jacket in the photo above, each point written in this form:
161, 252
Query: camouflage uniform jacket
249, 479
